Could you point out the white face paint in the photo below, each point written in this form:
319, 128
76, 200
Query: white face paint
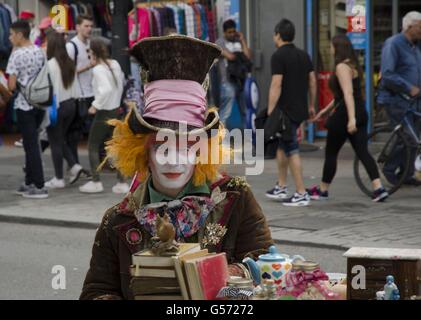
171, 170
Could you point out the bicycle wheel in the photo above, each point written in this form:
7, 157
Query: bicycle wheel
382, 141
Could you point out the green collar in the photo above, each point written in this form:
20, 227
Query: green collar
189, 189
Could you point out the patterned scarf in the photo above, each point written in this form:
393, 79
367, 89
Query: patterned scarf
187, 215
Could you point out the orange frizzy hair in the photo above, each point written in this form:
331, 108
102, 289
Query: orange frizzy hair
129, 154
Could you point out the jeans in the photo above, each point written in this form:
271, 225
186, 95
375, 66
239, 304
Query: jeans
100, 132
290, 147
396, 161
57, 136
28, 123
230, 93
135, 71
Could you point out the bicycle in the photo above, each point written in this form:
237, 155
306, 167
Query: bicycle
382, 143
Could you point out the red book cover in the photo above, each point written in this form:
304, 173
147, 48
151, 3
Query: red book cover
213, 274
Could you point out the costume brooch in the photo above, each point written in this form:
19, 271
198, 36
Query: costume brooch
217, 196
238, 182
213, 234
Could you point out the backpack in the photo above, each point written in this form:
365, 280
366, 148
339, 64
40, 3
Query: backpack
39, 90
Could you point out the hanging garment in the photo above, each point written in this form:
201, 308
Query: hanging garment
197, 18
182, 20
155, 26
170, 20
210, 17
204, 22
143, 26
167, 20
190, 19
75, 11
176, 18
12, 13
70, 18
158, 20
5, 22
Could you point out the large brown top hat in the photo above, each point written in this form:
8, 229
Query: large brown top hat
175, 69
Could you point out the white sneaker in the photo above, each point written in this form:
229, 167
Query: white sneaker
55, 183
277, 193
75, 173
121, 188
298, 200
92, 187
19, 143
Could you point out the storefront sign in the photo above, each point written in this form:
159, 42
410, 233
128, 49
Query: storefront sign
357, 26
356, 15
358, 40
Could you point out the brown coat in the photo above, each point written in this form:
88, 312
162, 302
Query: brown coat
108, 276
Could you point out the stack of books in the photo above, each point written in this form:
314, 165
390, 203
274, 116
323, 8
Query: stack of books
192, 274
154, 277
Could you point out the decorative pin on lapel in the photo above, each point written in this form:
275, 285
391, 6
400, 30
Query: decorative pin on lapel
213, 234
218, 196
134, 236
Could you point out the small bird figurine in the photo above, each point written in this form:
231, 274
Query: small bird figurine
165, 243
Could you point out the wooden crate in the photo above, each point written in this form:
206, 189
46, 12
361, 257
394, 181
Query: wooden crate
403, 264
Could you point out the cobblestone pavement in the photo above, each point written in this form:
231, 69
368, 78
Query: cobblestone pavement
348, 219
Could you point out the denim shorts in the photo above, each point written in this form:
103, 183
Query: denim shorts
290, 147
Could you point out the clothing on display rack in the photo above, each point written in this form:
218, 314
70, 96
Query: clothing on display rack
7, 17
159, 18
96, 9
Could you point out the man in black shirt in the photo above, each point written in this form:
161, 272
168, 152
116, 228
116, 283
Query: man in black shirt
292, 78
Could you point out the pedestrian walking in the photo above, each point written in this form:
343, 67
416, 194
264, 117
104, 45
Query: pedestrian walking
348, 120
63, 76
293, 78
24, 64
78, 50
107, 85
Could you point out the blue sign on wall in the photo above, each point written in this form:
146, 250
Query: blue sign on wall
358, 39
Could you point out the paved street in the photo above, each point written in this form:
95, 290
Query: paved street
28, 254
348, 219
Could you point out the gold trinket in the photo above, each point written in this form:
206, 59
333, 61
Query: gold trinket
213, 234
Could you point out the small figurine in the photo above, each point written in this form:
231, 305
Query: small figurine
391, 291
164, 241
380, 295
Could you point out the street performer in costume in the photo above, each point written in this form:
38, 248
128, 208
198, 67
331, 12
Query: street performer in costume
205, 206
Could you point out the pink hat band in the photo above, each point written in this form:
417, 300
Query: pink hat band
175, 101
